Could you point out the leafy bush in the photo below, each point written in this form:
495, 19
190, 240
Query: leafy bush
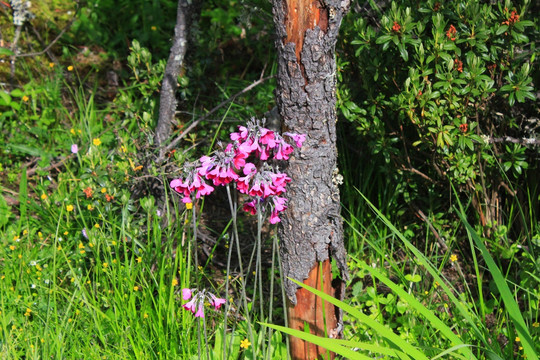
443, 92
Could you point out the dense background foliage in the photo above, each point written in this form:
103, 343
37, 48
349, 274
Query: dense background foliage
438, 119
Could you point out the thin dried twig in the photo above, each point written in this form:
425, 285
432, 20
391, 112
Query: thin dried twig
47, 48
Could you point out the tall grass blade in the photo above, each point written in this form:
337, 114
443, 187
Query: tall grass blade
421, 260
23, 196
511, 305
416, 305
329, 344
393, 339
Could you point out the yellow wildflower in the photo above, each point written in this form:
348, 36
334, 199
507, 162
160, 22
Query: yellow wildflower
72, 131
174, 282
135, 288
103, 190
90, 207
518, 339
139, 259
105, 265
96, 141
43, 196
244, 344
25, 98
51, 64
453, 257
70, 68
69, 208
189, 206
153, 28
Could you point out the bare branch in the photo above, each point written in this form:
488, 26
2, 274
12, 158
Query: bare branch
47, 48
167, 101
207, 115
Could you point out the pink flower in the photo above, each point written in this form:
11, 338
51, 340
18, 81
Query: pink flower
196, 304
242, 135
279, 181
200, 311
193, 183
274, 218
298, 138
216, 302
284, 150
279, 203
250, 207
186, 294
191, 305
74, 148
240, 159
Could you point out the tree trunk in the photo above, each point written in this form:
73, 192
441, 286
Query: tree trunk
311, 233
167, 104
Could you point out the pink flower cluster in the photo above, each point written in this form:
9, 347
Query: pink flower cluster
196, 304
244, 162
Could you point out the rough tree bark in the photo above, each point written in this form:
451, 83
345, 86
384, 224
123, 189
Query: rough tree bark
311, 233
186, 11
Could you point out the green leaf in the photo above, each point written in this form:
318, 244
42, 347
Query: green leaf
416, 278
5, 211
26, 149
17, 93
501, 29
6, 51
520, 38
5, 99
383, 39
526, 23
23, 196
403, 52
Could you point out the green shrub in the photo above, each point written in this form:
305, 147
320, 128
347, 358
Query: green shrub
443, 92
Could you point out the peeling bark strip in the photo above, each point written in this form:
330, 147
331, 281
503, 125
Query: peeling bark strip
311, 231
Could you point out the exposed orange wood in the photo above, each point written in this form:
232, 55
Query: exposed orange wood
309, 310
301, 16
